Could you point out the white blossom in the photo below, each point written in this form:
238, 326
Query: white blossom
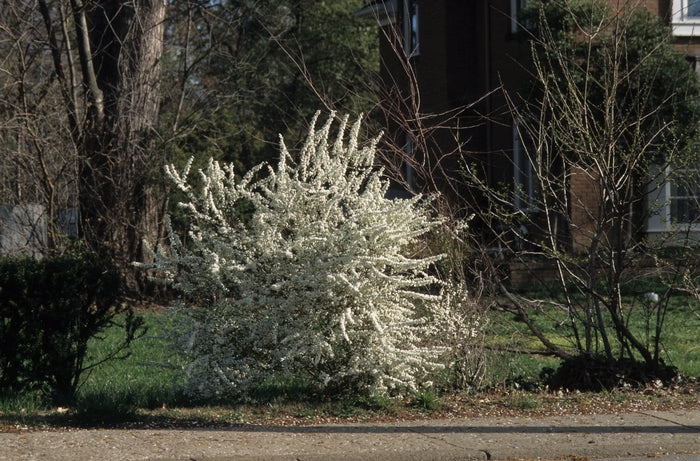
314, 280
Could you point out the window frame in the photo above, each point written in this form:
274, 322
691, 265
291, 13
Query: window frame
659, 202
686, 173
411, 28
515, 7
525, 189
683, 24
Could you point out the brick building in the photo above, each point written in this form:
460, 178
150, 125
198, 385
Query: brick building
460, 53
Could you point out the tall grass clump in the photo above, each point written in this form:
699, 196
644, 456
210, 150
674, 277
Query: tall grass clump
306, 270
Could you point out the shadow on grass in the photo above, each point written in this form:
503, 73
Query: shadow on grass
111, 411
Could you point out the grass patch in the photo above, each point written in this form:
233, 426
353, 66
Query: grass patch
150, 377
426, 401
678, 344
147, 388
284, 388
24, 404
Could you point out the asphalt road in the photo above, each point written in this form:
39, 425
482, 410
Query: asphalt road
632, 436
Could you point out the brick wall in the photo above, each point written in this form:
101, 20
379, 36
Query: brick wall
585, 198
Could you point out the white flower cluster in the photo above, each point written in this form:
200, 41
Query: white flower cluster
303, 271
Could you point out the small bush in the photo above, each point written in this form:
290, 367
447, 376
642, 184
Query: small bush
317, 278
49, 310
598, 373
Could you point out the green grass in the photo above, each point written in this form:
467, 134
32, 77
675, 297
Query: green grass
679, 344
150, 377
426, 400
150, 380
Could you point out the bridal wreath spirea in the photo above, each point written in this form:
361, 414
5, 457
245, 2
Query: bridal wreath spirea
303, 270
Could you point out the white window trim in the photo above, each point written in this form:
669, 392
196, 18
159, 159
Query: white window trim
659, 204
681, 23
386, 12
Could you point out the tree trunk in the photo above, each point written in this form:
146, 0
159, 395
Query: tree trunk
121, 47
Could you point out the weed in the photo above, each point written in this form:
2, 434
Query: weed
426, 400
525, 401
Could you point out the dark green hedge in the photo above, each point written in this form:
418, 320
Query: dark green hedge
49, 310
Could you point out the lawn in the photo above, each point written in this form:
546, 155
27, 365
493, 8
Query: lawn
147, 386
151, 376
679, 345
148, 378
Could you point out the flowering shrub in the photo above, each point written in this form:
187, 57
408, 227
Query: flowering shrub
303, 269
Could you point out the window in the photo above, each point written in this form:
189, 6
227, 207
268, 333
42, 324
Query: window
411, 38
524, 177
692, 8
515, 7
674, 200
387, 12
684, 196
383, 11
686, 17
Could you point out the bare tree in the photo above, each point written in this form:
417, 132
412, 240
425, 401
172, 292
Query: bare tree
614, 119
119, 45
38, 161
82, 79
